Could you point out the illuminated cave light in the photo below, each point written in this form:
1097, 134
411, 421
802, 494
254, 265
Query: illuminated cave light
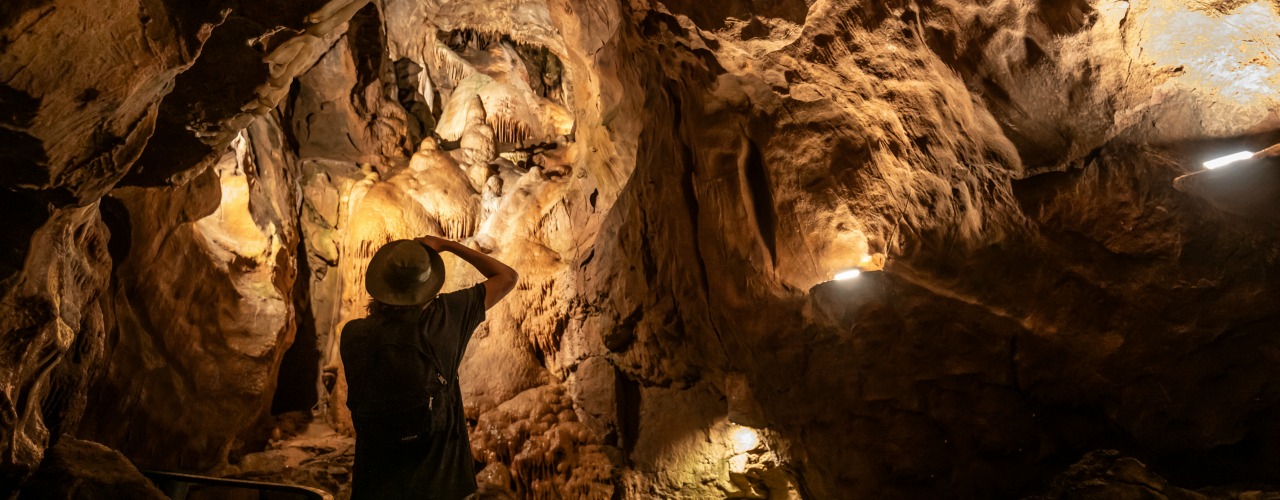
745, 439
865, 259
1227, 160
230, 228
847, 275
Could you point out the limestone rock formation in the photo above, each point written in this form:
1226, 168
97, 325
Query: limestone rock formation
181, 372
1046, 268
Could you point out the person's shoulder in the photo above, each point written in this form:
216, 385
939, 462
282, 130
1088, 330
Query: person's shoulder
355, 327
455, 299
464, 295
356, 322
451, 296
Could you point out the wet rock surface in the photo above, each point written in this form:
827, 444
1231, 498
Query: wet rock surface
677, 182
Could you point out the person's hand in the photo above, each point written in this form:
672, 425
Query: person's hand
435, 242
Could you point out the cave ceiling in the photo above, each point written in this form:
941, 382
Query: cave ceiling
1047, 272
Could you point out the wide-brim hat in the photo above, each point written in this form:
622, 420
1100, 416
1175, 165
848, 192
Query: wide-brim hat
404, 273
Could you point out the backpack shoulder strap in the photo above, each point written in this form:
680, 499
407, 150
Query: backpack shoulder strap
431, 353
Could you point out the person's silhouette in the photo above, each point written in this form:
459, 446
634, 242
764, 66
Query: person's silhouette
401, 364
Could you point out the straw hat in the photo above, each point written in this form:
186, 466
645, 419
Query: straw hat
404, 273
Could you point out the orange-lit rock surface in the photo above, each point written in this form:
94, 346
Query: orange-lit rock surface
202, 309
677, 182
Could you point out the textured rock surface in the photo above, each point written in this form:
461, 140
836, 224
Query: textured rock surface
677, 183
181, 371
313, 455
80, 111
1250, 189
84, 470
1109, 474
54, 333
72, 127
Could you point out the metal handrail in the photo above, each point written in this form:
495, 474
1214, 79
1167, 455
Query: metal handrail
177, 484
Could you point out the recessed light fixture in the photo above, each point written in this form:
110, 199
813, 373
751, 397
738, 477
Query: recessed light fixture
847, 275
1226, 160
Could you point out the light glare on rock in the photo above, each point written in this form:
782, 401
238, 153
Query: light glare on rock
745, 439
1227, 160
847, 275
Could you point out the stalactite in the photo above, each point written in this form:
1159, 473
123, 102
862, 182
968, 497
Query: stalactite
448, 66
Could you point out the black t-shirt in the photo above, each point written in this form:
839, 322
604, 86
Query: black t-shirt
439, 467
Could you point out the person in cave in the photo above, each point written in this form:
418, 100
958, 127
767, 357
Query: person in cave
401, 364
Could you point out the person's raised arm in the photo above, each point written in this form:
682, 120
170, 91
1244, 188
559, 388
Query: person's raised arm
500, 278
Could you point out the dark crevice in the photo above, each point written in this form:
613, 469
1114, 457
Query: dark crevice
25, 211
366, 41
21, 153
655, 22
421, 122
628, 396
544, 67
300, 367
1035, 54
287, 114
760, 198
545, 71
115, 215
620, 337
224, 78
539, 354
1066, 17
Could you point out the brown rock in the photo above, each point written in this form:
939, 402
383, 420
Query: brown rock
327, 122
43, 390
1106, 474
85, 107
84, 470
224, 238
1249, 189
677, 182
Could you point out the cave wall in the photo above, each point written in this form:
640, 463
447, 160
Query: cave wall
72, 129
202, 308
677, 182
81, 112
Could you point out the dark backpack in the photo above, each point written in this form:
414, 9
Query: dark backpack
414, 397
